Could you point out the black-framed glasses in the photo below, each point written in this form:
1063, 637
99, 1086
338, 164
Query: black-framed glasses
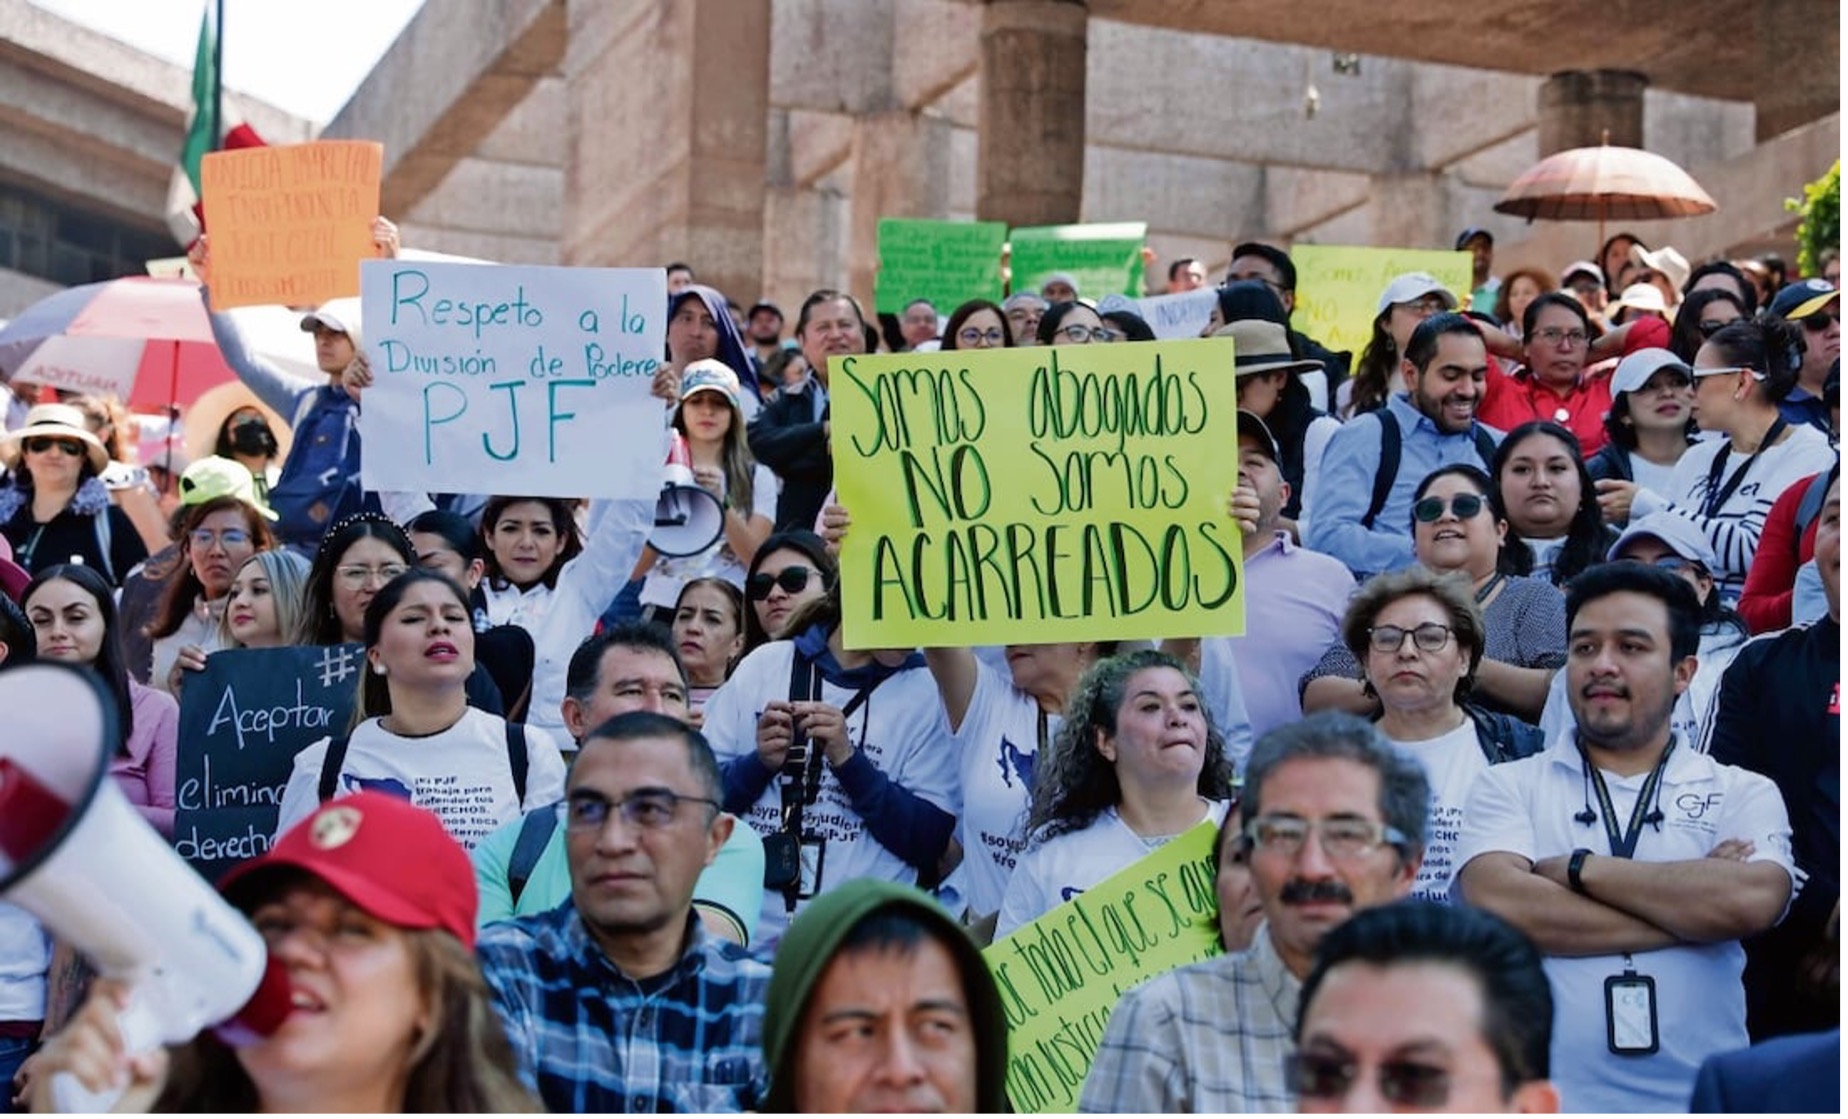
1430, 510
1819, 320
1553, 336
1342, 837
1675, 565
647, 809
1324, 1076
1429, 637
970, 336
792, 579
41, 444
1078, 332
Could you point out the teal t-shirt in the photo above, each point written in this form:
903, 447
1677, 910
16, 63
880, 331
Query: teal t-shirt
732, 888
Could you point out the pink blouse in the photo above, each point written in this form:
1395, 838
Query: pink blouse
145, 776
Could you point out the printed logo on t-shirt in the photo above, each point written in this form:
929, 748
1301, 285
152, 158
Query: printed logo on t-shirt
1014, 763
387, 785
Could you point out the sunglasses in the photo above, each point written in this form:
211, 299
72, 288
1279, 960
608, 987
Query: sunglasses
1405, 1083
1430, 510
39, 446
1709, 329
791, 579
1820, 320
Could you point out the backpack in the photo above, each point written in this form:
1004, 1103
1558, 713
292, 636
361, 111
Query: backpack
320, 479
337, 751
1391, 446
1810, 507
535, 833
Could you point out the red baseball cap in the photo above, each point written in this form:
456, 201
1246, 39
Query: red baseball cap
385, 855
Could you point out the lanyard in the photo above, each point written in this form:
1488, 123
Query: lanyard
1488, 588
1624, 846
1717, 497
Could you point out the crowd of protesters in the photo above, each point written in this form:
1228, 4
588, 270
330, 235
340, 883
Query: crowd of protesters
1525, 772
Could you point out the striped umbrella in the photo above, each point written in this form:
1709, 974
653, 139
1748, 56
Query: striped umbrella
147, 340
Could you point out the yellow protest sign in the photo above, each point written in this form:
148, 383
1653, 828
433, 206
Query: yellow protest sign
1062, 975
1338, 287
290, 224
1071, 493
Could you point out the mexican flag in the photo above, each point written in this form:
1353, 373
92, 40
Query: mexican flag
214, 125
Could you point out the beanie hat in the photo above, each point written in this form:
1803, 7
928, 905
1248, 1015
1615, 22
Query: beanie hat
809, 947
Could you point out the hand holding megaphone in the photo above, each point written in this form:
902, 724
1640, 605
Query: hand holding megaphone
74, 854
95, 1064
689, 518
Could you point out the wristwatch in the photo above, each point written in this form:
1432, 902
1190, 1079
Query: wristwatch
1574, 866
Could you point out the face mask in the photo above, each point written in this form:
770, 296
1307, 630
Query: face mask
253, 437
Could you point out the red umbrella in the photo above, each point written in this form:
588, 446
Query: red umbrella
145, 339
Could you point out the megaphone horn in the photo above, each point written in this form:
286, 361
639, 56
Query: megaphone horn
688, 518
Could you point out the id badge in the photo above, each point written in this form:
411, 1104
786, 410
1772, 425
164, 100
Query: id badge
1630, 1014
814, 849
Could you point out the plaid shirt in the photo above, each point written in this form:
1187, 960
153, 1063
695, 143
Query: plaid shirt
590, 1039
1207, 1037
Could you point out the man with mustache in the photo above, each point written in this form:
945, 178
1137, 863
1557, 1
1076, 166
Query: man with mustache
1634, 862
1334, 823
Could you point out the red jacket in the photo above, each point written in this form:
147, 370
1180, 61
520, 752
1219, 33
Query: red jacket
1764, 603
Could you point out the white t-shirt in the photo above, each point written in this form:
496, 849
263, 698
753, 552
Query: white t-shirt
661, 585
508, 605
1528, 808
1452, 761
1061, 868
998, 742
900, 728
1649, 476
462, 774
1734, 528
25, 954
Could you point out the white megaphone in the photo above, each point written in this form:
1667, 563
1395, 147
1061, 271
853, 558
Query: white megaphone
77, 856
688, 519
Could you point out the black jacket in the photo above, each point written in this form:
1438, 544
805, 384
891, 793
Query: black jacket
788, 439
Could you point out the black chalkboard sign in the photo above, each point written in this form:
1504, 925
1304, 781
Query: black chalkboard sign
242, 721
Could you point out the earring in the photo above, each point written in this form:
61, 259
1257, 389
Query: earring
378, 670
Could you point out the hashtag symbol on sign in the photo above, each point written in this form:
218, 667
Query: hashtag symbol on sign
336, 664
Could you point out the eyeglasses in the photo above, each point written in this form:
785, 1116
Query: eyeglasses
1674, 565
1430, 510
1022, 314
970, 336
647, 809
1426, 305
1726, 371
203, 538
1820, 320
1429, 637
1709, 329
1342, 837
1078, 332
1553, 336
39, 446
357, 575
791, 579
1265, 280
1405, 1083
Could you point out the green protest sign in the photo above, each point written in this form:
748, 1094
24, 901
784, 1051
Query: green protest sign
1062, 975
1103, 258
946, 262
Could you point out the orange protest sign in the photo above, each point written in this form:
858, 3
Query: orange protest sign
290, 224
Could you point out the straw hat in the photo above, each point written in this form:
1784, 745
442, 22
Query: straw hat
215, 405
55, 420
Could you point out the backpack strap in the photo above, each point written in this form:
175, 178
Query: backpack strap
105, 539
1811, 506
517, 758
1390, 445
330, 767
536, 831
1485, 445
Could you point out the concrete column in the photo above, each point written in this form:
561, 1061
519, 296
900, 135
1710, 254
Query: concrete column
1030, 155
1577, 107
901, 169
666, 137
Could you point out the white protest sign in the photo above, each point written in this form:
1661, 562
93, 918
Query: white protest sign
1181, 315
512, 379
